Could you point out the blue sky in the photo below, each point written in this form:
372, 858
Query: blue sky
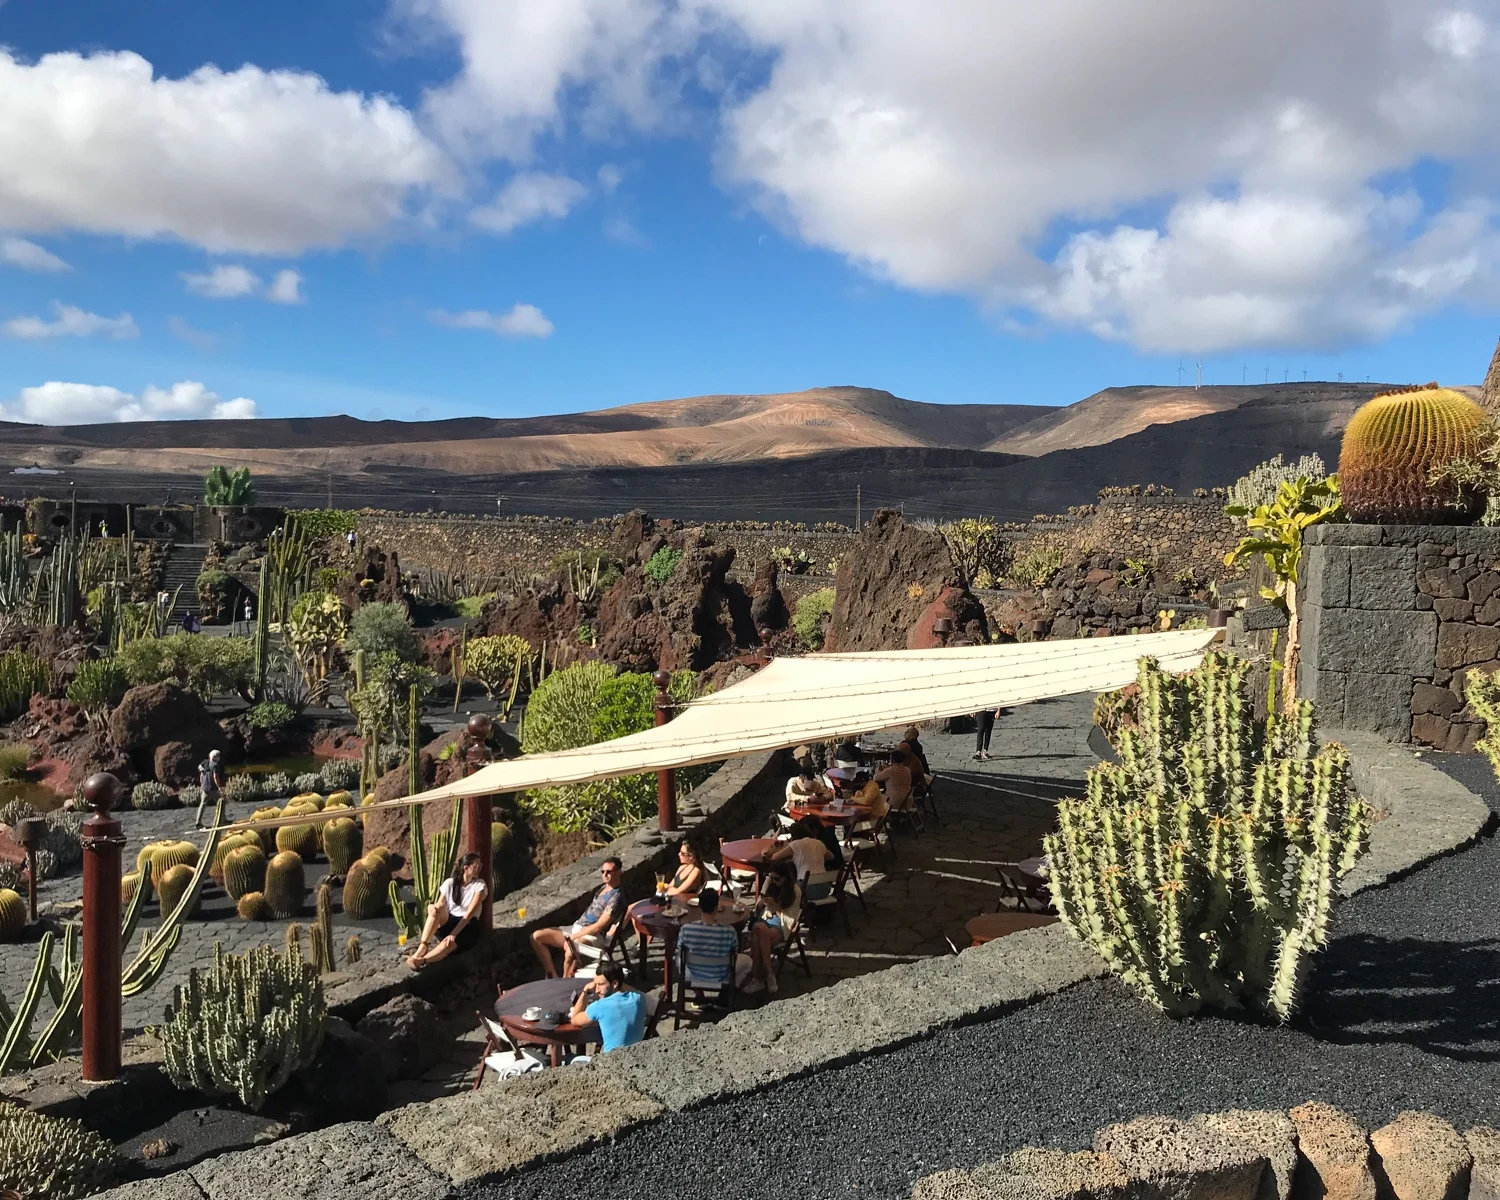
782, 196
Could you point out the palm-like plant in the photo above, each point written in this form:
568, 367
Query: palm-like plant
222, 486
1277, 536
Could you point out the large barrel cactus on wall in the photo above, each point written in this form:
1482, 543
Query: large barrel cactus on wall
1394, 444
1204, 865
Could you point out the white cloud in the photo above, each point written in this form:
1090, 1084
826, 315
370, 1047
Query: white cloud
530, 196
18, 252
286, 288
610, 177
259, 162
1153, 171
71, 322
229, 282
522, 321
55, 403
199, 339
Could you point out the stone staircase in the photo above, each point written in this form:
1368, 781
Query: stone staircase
183, 566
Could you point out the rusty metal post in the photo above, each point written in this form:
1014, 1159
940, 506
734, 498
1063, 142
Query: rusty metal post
31, 832
102, 842
666, 781
479, 819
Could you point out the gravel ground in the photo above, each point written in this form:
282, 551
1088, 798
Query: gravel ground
1404, 1012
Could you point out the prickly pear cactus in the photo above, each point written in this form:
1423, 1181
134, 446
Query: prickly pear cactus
245, 1027
1204, 866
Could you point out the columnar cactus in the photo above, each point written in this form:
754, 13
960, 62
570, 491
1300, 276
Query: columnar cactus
174, 886
343, 842
245, 870
352, 952
1204, 866
253, 906
365, 887
12, 915
245, 1027
285, 886
320, 937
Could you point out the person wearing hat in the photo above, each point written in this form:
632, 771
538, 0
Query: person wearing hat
210, 782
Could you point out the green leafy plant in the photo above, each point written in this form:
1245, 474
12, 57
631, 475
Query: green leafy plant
52, 1158
381, 628
206, 666
314, 633
1278, 528
326, 522
270, 715
975, 546
1204, 866
494, 661
245, 1027
1034, 566
810, 617
13, 759
223, 486
380, 704
98, 683
661, 565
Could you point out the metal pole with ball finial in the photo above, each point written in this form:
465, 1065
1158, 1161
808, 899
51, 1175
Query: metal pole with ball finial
478, 816
102, 841
666, 781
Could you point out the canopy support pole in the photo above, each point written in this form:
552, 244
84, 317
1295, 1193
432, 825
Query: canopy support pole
666, 781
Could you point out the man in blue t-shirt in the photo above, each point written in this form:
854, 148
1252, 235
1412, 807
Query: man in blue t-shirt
619, 1012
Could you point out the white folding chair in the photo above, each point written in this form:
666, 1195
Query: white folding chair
503, 1056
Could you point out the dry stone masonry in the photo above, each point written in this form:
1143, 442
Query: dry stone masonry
1394, 617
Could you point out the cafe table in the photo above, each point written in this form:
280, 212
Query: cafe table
549, 995
988, 926
752, 855
653, 920
844, 816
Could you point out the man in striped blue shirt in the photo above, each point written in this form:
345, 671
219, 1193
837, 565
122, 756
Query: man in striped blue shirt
711, 947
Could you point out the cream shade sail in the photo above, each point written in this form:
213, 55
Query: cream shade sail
823, 697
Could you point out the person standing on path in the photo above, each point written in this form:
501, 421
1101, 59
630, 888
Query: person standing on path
210, 782
248, 617
984, 725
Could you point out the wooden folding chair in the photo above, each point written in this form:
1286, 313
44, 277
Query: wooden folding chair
791, 922
687, 986
503, 1056
866, 836
833, 898
1016, 887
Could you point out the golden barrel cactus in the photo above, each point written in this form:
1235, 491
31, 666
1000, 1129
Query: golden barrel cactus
1393, 444
12, 915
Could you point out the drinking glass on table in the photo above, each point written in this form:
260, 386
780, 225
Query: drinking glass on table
661, 885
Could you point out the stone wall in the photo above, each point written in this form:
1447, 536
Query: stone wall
1394, 617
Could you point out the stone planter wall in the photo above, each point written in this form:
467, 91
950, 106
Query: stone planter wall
1394, 617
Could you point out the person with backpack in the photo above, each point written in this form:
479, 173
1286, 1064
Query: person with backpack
210, 781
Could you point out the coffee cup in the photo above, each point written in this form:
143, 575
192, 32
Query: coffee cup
531, 1014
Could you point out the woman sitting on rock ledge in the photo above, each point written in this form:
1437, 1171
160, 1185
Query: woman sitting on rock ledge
453, 917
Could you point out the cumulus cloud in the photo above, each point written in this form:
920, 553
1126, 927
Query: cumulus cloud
254, 161
56, 403
530, 196
285, 288
1149, 171
71, 322
18, 252
522, 321
223, 283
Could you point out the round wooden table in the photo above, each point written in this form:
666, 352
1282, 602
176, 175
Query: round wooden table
549, 995
651, 920
988, 926
845, 815
747, 854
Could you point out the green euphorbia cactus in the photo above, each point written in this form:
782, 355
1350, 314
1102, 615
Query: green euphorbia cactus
1203, 866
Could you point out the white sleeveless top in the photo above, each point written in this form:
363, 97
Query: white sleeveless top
471, 890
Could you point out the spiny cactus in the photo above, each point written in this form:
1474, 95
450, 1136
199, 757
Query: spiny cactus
293, 940
166, 855
128, 884
54, 1157
245, 870
253, 906
151, 795
267, 836
1392, 446
245, 1027
12, 915
276, 785
301, 840
503, 858
242, 786
339, 774
1204, 865
174, 886
343, 841
320, 936
304, 796
308, 781
227, 844
285, 886
342, 799
365, 888
352, 952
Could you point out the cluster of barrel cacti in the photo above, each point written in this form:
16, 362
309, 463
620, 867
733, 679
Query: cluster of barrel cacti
245, 1027
1395, 449
1204, 865
157, 858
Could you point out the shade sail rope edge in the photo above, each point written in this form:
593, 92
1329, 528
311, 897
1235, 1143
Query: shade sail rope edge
678, 744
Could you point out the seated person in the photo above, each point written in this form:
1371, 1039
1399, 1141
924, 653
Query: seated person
603, 914
619, 1011
709, 938
453, 918
806, 853
912, 741
778, 901
807, 787
690, 876
896, 781
867, 794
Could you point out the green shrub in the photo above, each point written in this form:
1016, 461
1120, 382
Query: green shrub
22, 676
471, 606
340, 775
52, 1158
15, 809
206, 666
270, 715
1035, 566
151, 795
589, 703
494, 660
13, 759
809, 618
223, 486
325, 522
98, 683
381, 628
662, 564
326, 579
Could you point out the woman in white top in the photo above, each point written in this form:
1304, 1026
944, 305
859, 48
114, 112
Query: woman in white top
453, 918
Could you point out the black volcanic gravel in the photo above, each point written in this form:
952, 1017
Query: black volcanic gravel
1403, 1012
